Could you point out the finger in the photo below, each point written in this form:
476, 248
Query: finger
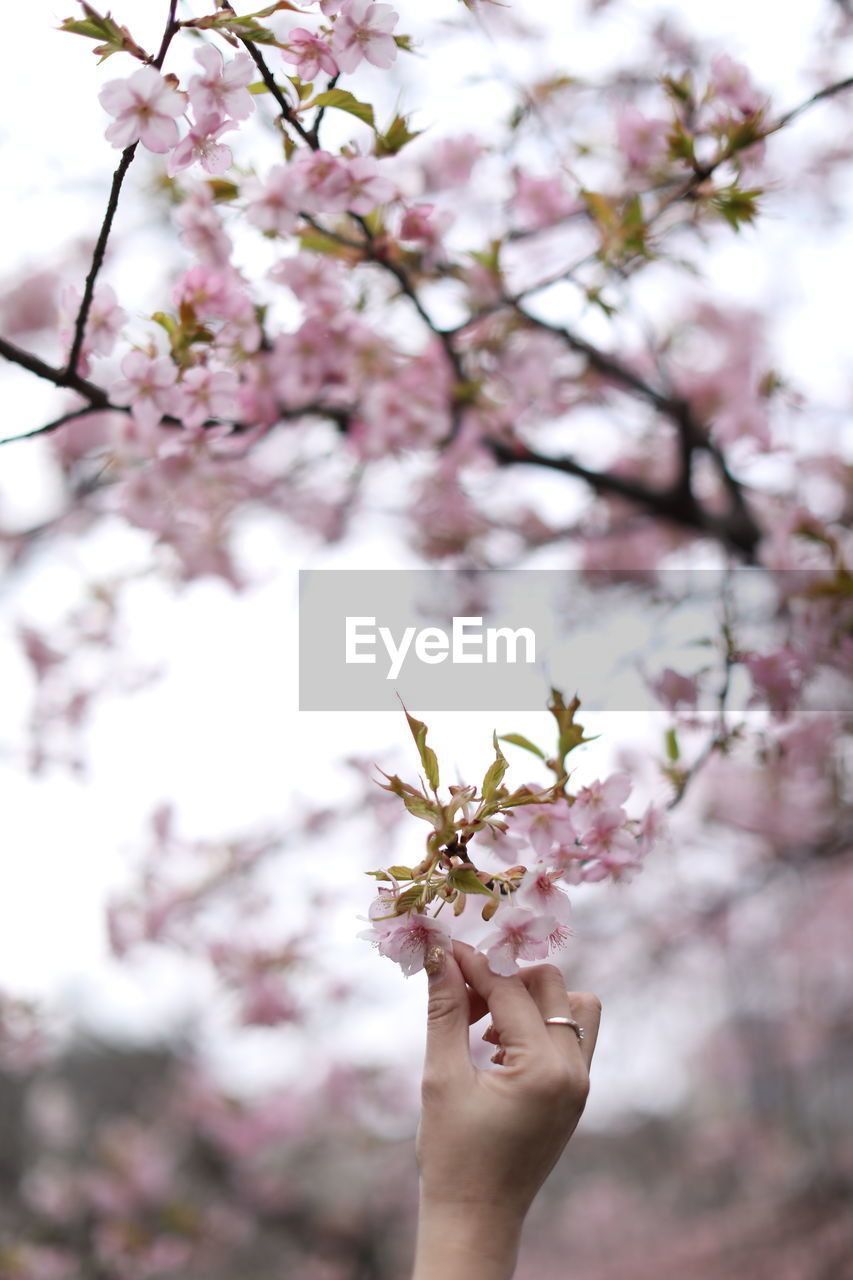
586, 1010
516, 1018
477, 1007
548, 990
447, 1051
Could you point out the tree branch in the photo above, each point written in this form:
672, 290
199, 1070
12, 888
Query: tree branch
59, 377
112, 205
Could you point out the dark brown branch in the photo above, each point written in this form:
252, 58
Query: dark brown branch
100, 249
741, 530
62, 421
59, 377
680, 508
283, 105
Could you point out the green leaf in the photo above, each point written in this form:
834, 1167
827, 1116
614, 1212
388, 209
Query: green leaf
258, 87
466, 879
519, 740
98, 27
395, 137
673, 751
408, 900
343, 100
400, 873
495, 772
428, 757
223, 189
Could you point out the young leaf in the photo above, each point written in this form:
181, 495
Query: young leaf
495, 772
345, 101
466, 879
519, 740
427, 755
395, 137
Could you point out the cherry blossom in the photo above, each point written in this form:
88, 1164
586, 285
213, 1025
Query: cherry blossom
202, 145
642, 139
520, 935
206, 393
674, 689
146, 109
777, 679
103, 326
310, 53
731, 82
405, 938
147, 387
221, 89
274, 205
365, 186
363, 31
542, 201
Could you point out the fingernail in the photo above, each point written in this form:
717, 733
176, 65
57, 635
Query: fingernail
434, 961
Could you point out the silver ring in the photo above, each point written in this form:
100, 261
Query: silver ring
566, 1022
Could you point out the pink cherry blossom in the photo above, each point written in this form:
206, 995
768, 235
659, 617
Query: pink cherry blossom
206, 393
221, 89
673, 689
201, 226
542, 826
310, 53
365, 187
776, 679
600, 796
642, 139
542, 201
362, 30
730, 81
612, 849
201, 144
520, 935
451, 161
322, 179
145, 107
317, 282
274, 205
539, 893
147, 387
103, 324
405, 938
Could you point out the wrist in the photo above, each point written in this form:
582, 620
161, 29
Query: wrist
459, 1240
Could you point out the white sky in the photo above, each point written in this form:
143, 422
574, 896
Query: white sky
221, 733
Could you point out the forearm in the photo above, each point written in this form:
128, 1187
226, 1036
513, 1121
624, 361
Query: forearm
460, 1243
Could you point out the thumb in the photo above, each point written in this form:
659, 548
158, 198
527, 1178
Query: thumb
447, 1013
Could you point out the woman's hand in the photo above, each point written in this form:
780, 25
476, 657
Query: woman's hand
488, 1139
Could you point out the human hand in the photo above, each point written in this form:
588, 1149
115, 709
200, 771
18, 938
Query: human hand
489, 1138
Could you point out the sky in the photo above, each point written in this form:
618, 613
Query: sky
221, 730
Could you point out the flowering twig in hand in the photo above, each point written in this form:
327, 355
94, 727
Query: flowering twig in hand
563, 836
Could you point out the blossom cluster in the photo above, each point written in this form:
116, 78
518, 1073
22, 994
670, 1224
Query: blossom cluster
552, 838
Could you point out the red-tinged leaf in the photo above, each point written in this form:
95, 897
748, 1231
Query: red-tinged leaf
429, 761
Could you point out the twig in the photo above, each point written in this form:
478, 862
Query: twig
112, 205
59, 377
